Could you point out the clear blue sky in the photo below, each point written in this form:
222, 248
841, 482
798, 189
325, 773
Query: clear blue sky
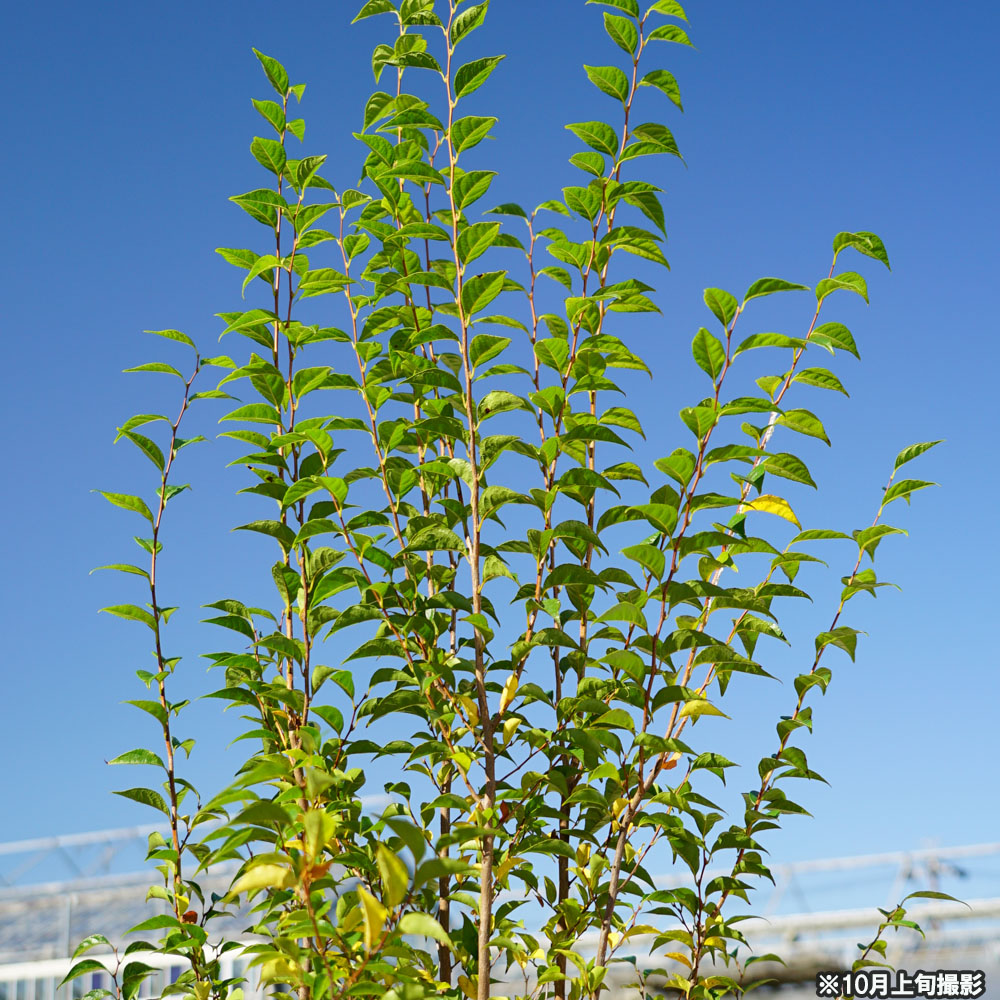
126, 129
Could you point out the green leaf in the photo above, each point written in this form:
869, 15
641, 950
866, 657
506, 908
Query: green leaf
472, 186
275, 72
665, 82
834, 336
87, 965
479, 291
156, 366
597, 135
804, 422
508, 208
181, 338
933, 894
269, 153
768, 286
91, 941
147, 446
475, 240
844, 638
485, 347
156, 923
131, 612
850, 281
153, 708
500, 401
818, 534
473, 75
467, 22
622, 31
590, 162
914, 450
273, 113
373, 7
669, 33
821, 378
654, 138
768, 340
669, 7
699, 419
869, 538
722, 304
904, 488
124, 568
128, 502
788, 467
261, 204
867, 243
649, 557
609, 80
709, 353
436, 538
147, 797
629, 6
138, 757
468, 132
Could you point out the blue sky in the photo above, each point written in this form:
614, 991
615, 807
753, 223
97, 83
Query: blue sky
127, 129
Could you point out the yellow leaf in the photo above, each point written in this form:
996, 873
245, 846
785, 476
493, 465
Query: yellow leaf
509, 690
678, 957
770, 504
467, 988
375, 916
503, 870
471, 711
263, 877
509, 728
395, 877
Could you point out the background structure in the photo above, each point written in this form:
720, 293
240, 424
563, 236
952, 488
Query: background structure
127, 129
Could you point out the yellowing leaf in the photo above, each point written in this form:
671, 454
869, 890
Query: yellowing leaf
375, 915
263, 877
425, 925
770, 504
639, 930
350, 920
395, 877
698, 707
320, 828
279, 968
467, 988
